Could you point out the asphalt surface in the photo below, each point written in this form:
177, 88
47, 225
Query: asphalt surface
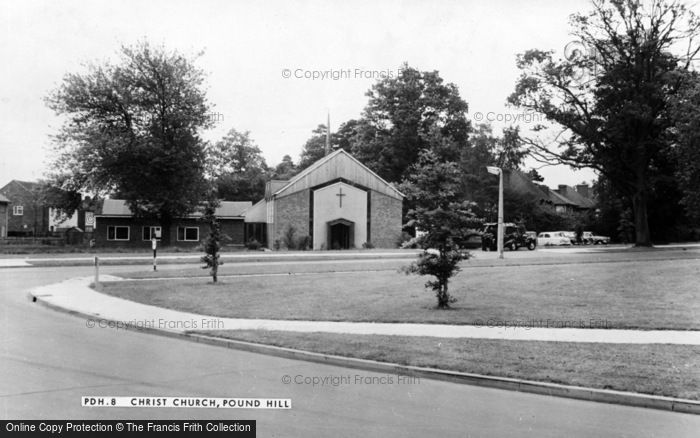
48, 360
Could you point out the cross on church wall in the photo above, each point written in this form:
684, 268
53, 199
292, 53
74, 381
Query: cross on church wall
340, 195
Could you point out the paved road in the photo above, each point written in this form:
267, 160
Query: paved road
49, 359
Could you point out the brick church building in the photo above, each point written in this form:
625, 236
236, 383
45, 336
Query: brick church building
337, 202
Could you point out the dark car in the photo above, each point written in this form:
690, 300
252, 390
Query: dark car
514, 237
593, 239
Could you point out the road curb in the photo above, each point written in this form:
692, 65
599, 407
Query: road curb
226, 259
505, 383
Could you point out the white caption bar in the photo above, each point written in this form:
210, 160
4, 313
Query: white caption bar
185, 402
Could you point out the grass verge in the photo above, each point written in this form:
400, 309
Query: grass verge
638, 294
258, 265
666, 370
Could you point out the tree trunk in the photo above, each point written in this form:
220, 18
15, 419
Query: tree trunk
443, 296
641, 220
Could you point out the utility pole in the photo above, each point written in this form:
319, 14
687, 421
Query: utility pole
498, 171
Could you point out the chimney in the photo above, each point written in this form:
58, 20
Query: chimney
562, 189
582, 190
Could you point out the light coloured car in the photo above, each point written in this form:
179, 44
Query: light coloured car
571, 235
553, 238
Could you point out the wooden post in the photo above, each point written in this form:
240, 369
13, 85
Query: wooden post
154, 246
97, 273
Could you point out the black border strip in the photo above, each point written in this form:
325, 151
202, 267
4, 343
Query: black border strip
330, 183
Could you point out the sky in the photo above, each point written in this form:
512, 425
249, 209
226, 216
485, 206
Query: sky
261, 58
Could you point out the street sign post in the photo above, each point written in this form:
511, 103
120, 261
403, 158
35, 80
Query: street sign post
154, 245
498, 171
89, 221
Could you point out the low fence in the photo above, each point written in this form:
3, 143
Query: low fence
47, 240
67, 238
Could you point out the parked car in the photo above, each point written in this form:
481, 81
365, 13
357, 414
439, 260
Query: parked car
514, 237
572, 237
553, 238
592, 239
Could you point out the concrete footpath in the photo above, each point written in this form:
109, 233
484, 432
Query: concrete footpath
76, 296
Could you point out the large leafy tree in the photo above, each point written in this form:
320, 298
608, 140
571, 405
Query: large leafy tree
355, 134
509, 149
64, 202
315, 147
348, 133
473, 161
286, 169
433, 186
405, 115
486, 149
131, 130
238, 167
609, 104
687, 149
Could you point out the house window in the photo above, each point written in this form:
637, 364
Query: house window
18, 210
117, 233
188, 234
151, 232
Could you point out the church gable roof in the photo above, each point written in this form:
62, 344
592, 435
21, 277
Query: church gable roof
336, 165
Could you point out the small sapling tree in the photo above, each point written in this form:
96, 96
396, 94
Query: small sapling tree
212, 245
444, 219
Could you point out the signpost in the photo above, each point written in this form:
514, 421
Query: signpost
97, 273
89, 221
498, 171
154, 245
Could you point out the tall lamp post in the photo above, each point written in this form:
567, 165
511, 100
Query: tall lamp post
499, 239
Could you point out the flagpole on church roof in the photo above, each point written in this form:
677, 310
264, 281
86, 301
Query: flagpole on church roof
328, 134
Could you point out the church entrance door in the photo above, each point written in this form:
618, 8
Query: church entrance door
340, 234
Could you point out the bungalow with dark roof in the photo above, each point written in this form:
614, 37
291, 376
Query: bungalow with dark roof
116, 225
577, 199
564, 199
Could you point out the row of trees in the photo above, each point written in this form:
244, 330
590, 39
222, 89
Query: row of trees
132, 130
626, 107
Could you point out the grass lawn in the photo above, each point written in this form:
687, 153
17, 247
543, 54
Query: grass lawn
479, 259
235, 268
646, 294
668, 370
